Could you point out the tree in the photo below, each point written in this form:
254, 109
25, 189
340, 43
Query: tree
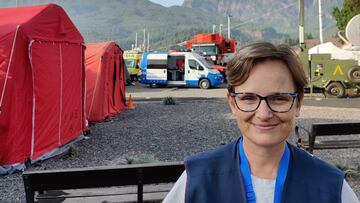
295, 41
342, 15
308, 36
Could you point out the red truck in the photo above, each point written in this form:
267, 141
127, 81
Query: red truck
212, 46
216, 49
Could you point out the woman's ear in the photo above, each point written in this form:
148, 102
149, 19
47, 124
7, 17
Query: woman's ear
231, 103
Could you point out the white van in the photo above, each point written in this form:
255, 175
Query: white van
178, 68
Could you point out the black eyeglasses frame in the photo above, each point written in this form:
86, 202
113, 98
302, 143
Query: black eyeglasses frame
294, 95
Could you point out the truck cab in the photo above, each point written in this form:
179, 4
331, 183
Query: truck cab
178, 68
210, 50
212, 46
132, 62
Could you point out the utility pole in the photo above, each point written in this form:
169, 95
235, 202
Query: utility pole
301, 24
228, 22
214, 27
220, 28
148, 41
320, 23
136, 44
144, 42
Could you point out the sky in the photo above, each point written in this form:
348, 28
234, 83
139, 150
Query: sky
168, 3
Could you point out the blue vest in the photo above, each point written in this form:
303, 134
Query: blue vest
214, 177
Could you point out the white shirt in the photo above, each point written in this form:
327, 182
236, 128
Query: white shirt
261, 186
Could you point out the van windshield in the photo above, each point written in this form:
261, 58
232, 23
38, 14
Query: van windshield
207, 50
205, 63
129, 63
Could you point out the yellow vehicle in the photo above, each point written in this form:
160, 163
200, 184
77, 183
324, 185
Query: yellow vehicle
132, 62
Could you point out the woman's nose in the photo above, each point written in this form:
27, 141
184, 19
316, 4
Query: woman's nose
264, 111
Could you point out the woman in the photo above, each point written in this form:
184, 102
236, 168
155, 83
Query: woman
265, 92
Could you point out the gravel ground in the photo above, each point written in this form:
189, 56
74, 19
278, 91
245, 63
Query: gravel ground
169, 133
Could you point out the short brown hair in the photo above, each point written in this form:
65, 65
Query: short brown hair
238, 69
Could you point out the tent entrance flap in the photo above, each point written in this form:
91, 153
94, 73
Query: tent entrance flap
57, 95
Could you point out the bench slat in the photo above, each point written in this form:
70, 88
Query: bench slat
102, 177
334, 146
324, 129
126, 198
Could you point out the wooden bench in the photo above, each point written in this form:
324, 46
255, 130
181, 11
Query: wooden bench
38, 182
331, 129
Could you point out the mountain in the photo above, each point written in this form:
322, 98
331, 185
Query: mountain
282, 15
120, 20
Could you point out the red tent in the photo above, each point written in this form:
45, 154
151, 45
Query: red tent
41, 82
105, 85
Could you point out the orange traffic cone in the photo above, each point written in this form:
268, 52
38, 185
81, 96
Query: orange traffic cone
130, 103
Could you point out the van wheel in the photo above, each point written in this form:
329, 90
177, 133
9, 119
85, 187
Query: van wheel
354, 74
335, 89
204, 84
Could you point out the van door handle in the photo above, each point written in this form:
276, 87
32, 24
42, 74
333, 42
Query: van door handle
188, 71
164, 71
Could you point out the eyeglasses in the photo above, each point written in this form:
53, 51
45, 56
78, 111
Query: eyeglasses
250, 102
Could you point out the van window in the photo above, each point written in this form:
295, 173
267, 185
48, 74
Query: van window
157, 64
194, 65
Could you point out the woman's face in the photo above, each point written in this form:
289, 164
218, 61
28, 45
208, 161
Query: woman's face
264, 127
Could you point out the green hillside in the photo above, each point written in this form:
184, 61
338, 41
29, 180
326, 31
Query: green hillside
279, 14
120, 19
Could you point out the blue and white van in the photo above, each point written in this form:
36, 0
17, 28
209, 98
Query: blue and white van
178, 68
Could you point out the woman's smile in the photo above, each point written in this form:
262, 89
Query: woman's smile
264, 126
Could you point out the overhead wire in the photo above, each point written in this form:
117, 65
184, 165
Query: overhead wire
262, 16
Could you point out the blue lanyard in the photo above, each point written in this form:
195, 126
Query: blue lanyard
280, 178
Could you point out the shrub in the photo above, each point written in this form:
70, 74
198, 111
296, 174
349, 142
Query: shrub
168, 101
